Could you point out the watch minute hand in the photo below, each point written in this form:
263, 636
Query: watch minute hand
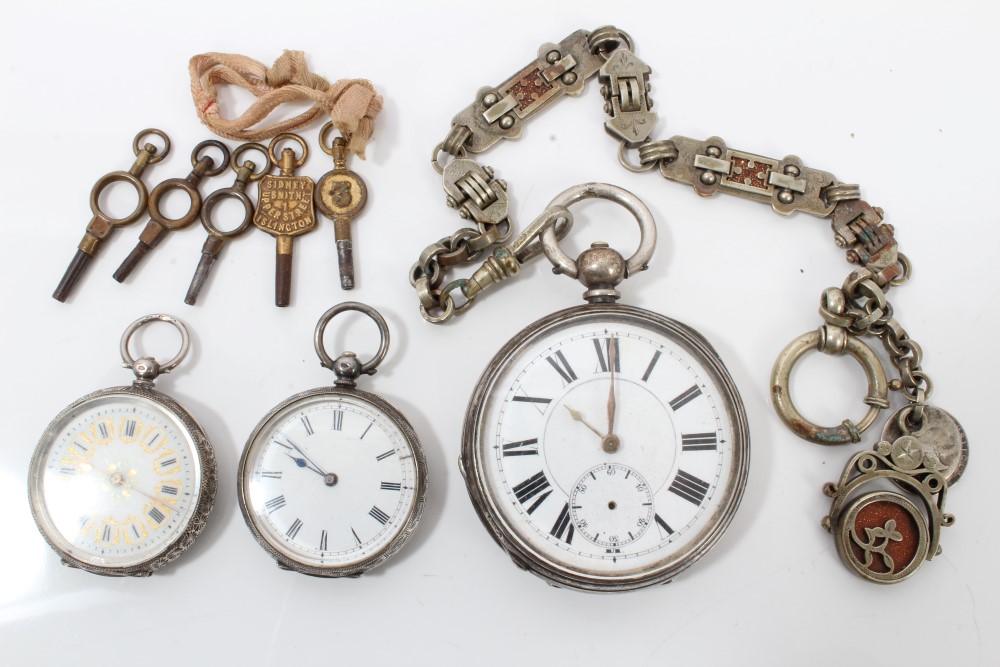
612, 362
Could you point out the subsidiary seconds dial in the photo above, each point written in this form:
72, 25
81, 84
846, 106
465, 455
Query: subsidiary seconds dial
611, 505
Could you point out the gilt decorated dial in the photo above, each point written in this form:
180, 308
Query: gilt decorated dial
115, 481
608, 446
330, 481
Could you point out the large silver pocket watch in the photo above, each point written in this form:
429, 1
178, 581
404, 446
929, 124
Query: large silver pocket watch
332, 480
123, 480
605, 447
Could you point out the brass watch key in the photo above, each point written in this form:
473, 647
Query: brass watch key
340, 196
285, 209
217, 238
159, 224
101, 224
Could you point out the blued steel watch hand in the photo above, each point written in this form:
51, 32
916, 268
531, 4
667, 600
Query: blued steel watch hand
306, 457
302, 463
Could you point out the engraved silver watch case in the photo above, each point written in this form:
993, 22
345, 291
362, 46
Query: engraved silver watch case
132, 445
619, 538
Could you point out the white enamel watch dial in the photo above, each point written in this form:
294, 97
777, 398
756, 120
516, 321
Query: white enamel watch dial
597, 497
123, 479
332, 480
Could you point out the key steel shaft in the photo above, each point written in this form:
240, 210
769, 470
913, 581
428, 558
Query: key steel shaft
159, 224
216, 237
340, 196
285, 210
101, 225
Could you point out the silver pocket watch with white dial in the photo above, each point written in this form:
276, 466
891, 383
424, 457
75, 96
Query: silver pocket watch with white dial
123, 480
605, 447
332, 480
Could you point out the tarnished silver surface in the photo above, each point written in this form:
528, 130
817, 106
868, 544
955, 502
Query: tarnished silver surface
673, 563
347, 369
499, 112
420, 492
625, 88
945, 445
647, 226
709, 166
884, 536
146, 369
786, 184
848, 431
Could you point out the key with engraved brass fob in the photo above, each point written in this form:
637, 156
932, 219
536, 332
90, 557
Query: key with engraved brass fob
285, 209
216, 237
340, 196
102, 223
159, 224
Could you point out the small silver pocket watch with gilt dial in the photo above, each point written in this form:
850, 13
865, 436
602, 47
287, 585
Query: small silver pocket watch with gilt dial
123, 480
605, 447
332, 480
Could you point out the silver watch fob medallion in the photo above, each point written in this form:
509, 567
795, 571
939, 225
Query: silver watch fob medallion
941, 437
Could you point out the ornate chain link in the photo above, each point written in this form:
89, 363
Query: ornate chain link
499, 112
868, 311
709, 166
473, 190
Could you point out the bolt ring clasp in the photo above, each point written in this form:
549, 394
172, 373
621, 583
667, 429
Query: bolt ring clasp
153, 369
878, 387
647, 226
346, 366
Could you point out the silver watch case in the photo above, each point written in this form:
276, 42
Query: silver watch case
566, 577
206, 491
397, 542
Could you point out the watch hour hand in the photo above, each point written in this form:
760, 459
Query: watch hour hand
303, 463
306, 457
577, 416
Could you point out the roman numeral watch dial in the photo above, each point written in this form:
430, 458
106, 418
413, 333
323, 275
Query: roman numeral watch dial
123, 480
605, 446
332, 480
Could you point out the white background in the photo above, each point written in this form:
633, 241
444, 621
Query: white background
899, 97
